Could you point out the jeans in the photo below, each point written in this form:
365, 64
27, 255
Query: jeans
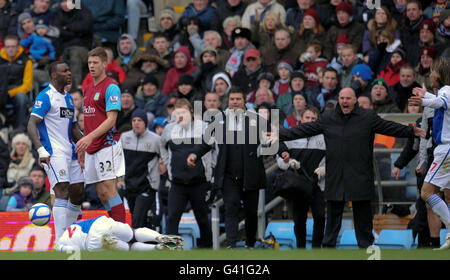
77, 57
134, 8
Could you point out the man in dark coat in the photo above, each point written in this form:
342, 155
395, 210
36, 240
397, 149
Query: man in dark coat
75, 27
349, 133
239, 173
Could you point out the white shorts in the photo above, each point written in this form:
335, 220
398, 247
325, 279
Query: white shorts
63, 169
439, 172
106, 226
105, 164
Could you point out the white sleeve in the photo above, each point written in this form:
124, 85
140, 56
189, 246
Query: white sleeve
436, 101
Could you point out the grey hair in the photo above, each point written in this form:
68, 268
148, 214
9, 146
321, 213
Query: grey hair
229, 19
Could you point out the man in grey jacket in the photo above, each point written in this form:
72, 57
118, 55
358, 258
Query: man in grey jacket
141, 148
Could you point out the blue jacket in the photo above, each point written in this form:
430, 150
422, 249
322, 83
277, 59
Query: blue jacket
205, 16
155, 105
39, 47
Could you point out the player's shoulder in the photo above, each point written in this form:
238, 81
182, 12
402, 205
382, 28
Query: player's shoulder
445, 90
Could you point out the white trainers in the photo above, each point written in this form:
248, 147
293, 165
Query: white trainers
170, 240
446, 244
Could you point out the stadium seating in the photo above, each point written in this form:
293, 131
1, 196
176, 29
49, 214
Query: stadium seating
395, 239
284, 234
189, 230
4, 202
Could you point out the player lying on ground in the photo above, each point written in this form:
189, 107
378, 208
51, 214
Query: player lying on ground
103, 233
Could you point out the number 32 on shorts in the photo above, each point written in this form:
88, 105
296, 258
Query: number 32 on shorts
105, 166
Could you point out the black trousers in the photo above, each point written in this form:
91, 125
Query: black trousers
300, 207
233, 194
179, 196
362, 218
140, 204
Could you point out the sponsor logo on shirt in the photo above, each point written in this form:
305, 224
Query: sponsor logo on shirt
114, 99
38, 104
88, 110
66, 112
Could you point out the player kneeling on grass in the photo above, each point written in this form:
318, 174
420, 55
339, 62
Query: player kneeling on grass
103, 233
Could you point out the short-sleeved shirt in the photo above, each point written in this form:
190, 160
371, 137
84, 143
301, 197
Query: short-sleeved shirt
57, 112
98, 100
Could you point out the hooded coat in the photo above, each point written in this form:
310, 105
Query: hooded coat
135, 75
121, 58
171, 82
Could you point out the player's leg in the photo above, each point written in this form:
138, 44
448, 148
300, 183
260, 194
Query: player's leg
102, 169
439, 207
144, 235
76, 197
60, 208
108, 195
76, 192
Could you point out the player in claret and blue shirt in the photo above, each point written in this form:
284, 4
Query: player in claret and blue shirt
103, 233
104, 160
52, 128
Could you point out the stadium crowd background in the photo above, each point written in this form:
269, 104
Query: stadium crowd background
284, 54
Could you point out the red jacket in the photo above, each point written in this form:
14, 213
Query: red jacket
392, 73
311, 70
171, 82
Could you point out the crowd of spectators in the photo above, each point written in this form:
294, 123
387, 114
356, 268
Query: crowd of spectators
284, 54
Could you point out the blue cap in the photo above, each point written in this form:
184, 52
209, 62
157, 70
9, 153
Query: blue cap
363, 71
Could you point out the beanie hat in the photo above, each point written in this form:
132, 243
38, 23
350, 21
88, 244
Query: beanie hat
25, 181
186, 79
363, 71
150, 79
430, 51
379, 81
128, 91
266, 76
167, 12
161, 121
140, 113
311, 12
23, 16
342, 39
298, 74
428, 24
41, 25
209, 50
401, 52
285, 64
444, 15
21, 138
345, 7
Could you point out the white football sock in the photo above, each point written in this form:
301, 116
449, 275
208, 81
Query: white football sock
440, 208
145, 235
139, 246
60, 216
73, 211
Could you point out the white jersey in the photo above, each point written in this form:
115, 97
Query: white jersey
89, 235
57, 112
441, 121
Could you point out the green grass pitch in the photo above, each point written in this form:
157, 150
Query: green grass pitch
223, 254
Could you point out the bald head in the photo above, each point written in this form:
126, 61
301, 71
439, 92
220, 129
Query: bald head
347, 100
